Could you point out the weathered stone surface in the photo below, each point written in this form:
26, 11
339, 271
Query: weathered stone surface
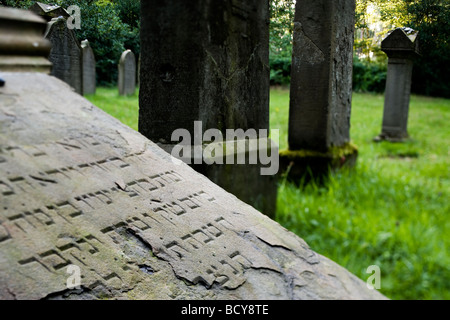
321, 91
22, 47
203, 61
127, 73
401, 45
77, 187
65, 54
208, 61
322, 64
89, 73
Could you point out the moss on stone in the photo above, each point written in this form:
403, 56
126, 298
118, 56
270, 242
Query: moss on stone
333, 153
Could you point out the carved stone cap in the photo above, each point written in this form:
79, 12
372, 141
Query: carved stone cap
48, 11
401, 43
22, 45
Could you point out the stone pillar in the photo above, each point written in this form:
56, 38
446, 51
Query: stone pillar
89, 72
208, 61
321, 86
22, 46
127, 73
401, 45
65, 54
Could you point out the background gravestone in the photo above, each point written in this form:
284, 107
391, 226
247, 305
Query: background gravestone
127, 73
321, 86
22, 46
65, 54
208, 61
80, 189
401, 46
89, 73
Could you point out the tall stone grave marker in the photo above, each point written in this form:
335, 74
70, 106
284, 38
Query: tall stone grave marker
65, 54
91, 209
321, 86
89, 73
208, 62
401, 45
127, 73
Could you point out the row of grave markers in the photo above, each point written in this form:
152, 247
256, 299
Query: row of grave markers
75, 64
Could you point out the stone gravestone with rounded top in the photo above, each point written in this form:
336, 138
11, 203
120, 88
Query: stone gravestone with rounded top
127, 73
89, 73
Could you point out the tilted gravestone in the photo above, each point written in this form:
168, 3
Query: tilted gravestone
321, 85
90, 209
127, 73
49, 11
89, 73
65, 54
402, 46
208, 62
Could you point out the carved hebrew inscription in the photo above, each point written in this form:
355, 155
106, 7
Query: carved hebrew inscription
82, 184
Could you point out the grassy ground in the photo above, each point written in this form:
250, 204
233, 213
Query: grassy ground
392, 210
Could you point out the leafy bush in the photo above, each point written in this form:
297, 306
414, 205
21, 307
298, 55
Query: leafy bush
368, 76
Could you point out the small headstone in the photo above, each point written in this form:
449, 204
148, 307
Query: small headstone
127, 73
89, 73
321, 85
65, 54
401, 46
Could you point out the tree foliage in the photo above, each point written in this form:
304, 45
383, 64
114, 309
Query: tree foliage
281, 32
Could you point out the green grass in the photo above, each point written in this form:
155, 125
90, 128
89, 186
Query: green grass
392, 210
124, 108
